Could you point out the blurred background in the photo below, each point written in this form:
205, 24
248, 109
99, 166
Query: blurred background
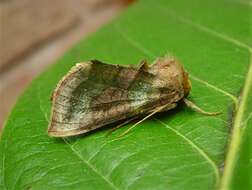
35, 33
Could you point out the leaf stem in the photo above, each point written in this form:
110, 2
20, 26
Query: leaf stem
236, 135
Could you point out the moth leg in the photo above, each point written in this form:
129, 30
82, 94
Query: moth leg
198, 109
158, 109
120, 125
169, 107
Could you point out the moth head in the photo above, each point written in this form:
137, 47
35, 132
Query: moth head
186, 83
171, 74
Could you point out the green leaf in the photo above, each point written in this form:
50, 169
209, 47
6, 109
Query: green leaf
179, 149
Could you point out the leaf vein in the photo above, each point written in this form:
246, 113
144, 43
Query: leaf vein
142, 49
205, 29
215, 88
90, 165
201, 152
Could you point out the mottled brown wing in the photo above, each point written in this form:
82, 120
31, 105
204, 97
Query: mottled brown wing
94, 94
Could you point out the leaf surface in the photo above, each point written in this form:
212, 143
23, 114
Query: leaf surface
179, 149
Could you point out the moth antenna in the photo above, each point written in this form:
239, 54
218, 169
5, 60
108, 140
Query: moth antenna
198, 109
119, 126
146, 117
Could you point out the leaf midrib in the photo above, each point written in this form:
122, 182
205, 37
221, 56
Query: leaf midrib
236, 135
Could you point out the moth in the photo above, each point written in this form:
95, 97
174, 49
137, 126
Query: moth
94, 94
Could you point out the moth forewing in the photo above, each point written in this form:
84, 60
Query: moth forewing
94, 94
64, 85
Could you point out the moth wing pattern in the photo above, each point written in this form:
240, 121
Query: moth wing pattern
94, 94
